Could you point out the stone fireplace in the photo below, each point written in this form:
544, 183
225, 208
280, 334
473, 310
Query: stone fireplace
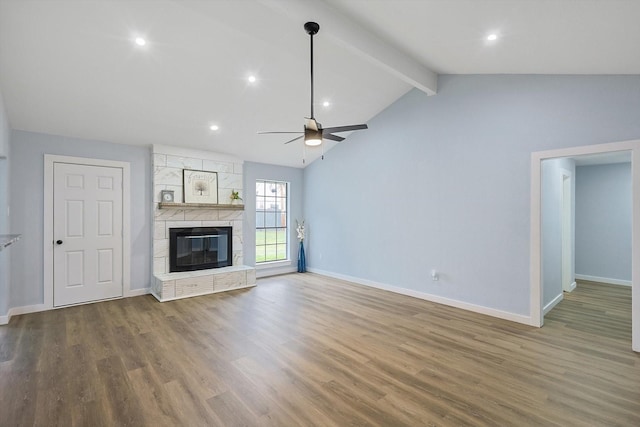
168, 165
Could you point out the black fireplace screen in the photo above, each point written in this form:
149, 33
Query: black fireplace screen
200, 248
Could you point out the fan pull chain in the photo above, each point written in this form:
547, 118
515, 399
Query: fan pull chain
304, 152
322, 151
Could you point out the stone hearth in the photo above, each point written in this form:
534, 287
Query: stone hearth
168, 164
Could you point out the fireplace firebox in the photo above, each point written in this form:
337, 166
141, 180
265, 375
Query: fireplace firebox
200, 248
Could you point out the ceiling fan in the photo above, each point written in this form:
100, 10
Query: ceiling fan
313, 132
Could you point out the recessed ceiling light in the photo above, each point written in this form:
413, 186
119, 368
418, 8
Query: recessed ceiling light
492, 37
252, 79
326, 104
140, 41
214, 127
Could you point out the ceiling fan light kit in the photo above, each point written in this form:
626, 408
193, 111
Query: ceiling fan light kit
312, 138
314, 133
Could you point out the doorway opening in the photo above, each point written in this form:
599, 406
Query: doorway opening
565, 252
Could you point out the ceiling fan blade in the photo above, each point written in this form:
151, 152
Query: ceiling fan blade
295, 139
332, 137
311, 123
313, 133
344, 128
269, 132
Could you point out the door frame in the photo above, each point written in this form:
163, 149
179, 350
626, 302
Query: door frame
567, 232
49, 161
535, 304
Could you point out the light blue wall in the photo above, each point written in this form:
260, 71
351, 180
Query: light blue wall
603, 221
5, 132
27, 189
551, 209
444, 182
252, 172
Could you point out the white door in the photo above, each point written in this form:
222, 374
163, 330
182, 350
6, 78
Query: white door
87, 233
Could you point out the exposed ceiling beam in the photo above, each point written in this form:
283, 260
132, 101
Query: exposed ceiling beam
359, 40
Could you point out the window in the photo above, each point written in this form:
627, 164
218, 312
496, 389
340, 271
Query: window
272, 223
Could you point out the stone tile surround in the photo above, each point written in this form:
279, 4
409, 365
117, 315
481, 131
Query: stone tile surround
186, 284
168, 163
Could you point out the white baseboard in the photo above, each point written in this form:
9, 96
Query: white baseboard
547, 308
572, 287
15, 311
603, 280
518, 318
137, 292
267, 272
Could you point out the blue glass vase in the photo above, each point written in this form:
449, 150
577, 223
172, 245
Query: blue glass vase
302, 262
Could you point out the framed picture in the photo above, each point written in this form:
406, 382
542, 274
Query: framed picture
200, 186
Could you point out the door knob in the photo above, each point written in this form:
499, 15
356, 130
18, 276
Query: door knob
58, 242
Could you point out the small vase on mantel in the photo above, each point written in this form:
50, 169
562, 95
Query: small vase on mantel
302, 262
235, 197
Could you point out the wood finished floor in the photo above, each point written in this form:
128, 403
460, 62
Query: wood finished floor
305, 350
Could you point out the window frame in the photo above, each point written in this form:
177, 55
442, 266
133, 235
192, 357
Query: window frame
262, 201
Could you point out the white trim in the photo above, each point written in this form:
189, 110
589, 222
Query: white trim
49, 161
535, 238
200, 293
603, 280
635, 250
429, 297
138, 292
553, 303
47, 251
572, 287
266, 272
126, 228
272, 264
15, 311
535, 302
568, 246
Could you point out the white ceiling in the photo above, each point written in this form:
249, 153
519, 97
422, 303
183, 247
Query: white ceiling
536, 36
70, 68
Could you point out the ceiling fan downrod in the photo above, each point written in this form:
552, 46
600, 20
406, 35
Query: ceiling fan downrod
312, 29
313, 133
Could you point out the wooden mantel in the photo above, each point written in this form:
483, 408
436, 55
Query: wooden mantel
173, 205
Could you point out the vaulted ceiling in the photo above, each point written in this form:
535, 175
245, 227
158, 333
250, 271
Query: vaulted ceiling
72, 68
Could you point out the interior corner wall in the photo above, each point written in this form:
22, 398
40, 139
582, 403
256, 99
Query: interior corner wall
552, 198
443, 182
27, 207
252, 172
5, 159
603, 222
